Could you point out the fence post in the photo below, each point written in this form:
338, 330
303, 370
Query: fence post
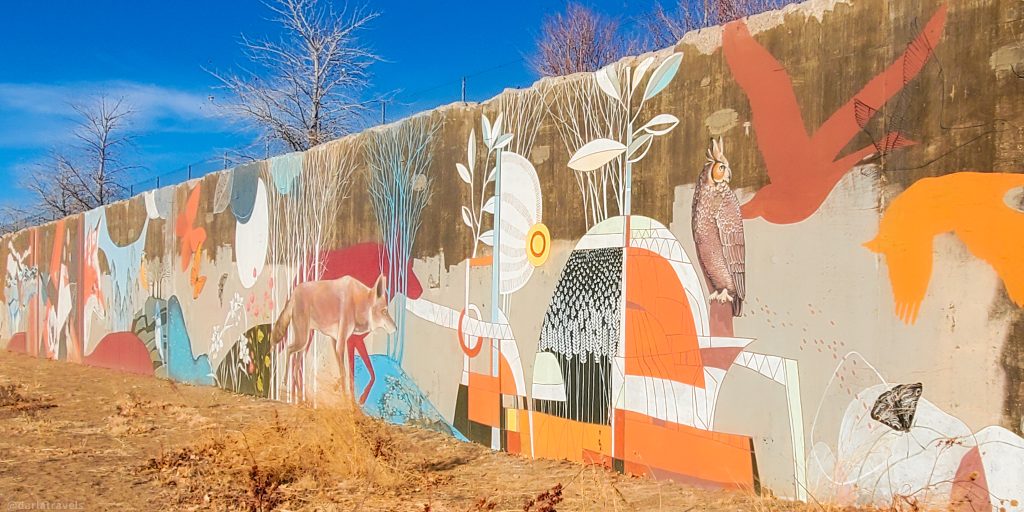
190, 171
158, 182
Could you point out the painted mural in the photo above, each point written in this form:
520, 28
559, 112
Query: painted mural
727, 263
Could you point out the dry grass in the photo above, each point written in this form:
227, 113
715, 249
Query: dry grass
284, 463
14, 401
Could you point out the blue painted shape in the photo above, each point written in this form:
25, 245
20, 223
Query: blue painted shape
395, 397
182, 366
285, 169
243, 190
124, 263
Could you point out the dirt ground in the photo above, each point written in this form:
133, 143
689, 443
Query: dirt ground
80, 438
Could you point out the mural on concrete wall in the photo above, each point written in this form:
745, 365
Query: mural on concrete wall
562, 273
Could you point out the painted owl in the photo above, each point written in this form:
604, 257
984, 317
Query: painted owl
718, 230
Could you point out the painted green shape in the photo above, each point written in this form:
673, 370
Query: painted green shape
244, 181
248, 366
285, 170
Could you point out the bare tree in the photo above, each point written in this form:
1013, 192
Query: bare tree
87, 173
665, 28
303, 90
578, 40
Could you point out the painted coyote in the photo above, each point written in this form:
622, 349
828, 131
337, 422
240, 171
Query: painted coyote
338, 308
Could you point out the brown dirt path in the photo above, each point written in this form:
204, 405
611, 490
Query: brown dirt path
80, 438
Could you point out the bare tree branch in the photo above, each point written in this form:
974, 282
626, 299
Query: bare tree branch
665, 28
578, 40
86, 174
303, 90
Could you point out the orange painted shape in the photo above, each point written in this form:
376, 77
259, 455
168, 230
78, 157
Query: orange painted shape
484, 399
191, 237
507, 384
697, 456
513, 444
969, 204
561, 438
481, 261
661, 338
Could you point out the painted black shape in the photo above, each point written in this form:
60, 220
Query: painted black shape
587, 389
896, 407
584, 315
476, 432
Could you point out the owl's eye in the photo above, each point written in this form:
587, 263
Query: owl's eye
718, 171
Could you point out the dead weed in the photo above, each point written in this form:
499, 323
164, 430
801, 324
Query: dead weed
264, 468
13, 401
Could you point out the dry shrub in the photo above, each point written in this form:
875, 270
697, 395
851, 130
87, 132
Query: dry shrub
545, 501
133, 415
14, 401
266, 466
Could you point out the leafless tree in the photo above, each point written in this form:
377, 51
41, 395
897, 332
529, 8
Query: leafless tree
89, 172
578, 40
303, 90
665, 28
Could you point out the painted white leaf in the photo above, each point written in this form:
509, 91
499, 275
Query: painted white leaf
663, 75
639, 148
487, 237
492, 174
596, 153
472, 148
489, 205
608, 82
485, 129
503, 141
496, 129
467, 217
464, 173
637, 143
661, 124
639, 72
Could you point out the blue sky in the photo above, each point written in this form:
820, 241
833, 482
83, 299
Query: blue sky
153, 53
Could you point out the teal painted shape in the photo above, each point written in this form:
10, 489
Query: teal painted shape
124, 263
182, 366
244, 180
395, 397
285, 170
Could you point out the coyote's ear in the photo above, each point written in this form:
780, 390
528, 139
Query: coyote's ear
381, 288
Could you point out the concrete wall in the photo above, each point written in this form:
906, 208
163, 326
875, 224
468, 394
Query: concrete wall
825, 303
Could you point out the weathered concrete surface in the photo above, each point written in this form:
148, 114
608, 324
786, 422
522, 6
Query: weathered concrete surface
875, 148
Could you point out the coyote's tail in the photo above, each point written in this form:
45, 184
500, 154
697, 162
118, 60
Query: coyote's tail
281, 325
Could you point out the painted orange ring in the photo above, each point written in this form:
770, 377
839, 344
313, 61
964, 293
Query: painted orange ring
538, 244
471, 352
538, 236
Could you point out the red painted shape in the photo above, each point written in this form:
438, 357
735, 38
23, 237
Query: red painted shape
970, 486
365, 262
121, 351
803, 168
18, 343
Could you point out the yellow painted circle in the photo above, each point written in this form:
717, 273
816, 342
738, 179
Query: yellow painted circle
538, 244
